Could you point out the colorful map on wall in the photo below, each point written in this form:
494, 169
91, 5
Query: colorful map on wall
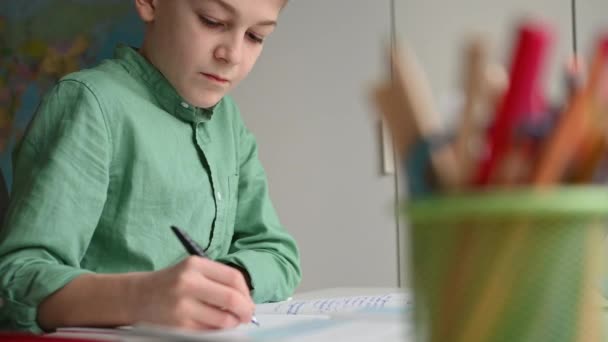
42, 40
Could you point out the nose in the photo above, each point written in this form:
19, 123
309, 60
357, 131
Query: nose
230, 50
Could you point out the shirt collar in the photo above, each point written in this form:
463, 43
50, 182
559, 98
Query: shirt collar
166, 95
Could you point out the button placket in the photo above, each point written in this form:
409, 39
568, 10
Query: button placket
203, 139
219, 204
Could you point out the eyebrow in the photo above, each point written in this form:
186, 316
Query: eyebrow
226, 6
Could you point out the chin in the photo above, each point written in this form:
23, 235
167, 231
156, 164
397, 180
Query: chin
206, 102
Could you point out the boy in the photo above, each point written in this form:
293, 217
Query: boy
119, 153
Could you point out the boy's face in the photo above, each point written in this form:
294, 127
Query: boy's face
206, 47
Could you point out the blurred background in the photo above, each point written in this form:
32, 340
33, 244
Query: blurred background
330, 170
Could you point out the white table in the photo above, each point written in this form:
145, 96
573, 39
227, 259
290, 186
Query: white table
354, 328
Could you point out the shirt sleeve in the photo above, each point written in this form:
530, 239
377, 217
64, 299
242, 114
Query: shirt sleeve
60, 185
260, 244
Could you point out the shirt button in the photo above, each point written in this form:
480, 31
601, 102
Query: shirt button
218, 195
185, 105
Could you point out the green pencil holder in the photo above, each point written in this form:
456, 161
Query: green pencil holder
509, 265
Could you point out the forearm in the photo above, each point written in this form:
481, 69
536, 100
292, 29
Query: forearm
91, 300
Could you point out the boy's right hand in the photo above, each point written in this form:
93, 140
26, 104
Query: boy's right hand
197, 294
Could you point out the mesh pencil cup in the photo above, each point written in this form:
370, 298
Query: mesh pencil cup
509, 265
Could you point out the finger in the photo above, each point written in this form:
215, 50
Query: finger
195, 325
227, 299
226, 275
210, 317
201, 286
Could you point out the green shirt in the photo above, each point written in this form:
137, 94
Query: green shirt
112, 159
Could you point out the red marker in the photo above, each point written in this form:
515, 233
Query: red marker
533, 43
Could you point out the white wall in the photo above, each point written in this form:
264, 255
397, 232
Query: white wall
592, 20
437, 29
307, 103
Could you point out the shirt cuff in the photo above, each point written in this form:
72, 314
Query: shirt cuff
21, 314
271, 282
15, 316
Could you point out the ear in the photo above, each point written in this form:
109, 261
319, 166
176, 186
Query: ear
146, 9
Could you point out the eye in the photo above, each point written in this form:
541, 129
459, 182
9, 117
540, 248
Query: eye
210, 22
255, 38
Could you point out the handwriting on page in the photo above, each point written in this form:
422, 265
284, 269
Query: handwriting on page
336, 305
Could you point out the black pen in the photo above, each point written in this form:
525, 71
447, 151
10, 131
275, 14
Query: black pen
194, 248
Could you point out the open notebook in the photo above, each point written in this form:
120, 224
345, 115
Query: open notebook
385, 303
379, 317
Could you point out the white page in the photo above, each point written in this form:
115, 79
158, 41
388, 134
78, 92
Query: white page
326, 319
293, 328
347, 330
97, 334
387, 302
244, 332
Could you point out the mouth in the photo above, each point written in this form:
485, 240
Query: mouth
215, 78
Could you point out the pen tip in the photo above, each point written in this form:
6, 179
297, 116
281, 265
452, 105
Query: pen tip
255, 321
